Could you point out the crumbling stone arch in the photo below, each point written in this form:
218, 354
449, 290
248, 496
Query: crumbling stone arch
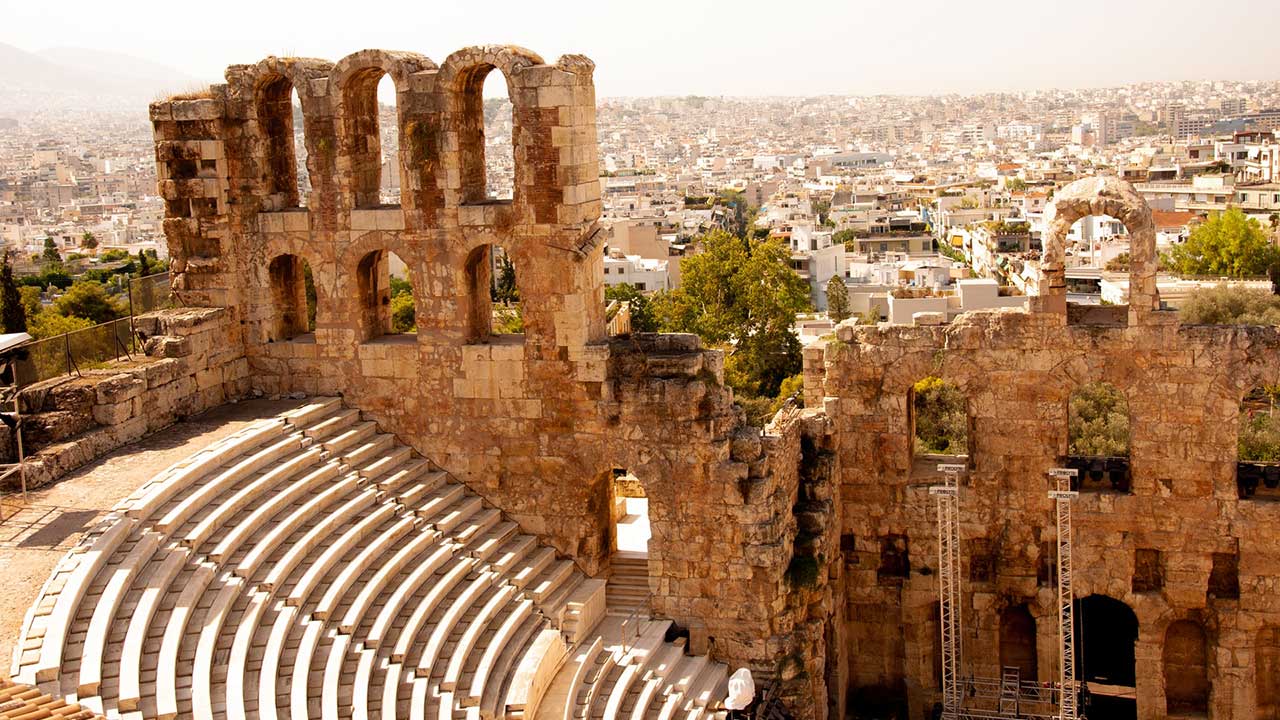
365, 282
286, 275
270, 85
1099, 196
462, 78
354, 83
475, 301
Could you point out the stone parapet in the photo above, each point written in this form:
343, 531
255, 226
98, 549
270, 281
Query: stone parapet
188, 367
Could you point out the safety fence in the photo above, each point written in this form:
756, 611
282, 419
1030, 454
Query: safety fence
78, 350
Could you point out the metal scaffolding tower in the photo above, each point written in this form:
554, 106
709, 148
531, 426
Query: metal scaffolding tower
1063, 495
948, 495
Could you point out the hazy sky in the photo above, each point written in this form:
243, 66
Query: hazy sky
659, 47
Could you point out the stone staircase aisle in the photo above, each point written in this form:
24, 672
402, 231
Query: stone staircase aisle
628, 587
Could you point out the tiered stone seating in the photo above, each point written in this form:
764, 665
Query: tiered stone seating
307, 566
646, 678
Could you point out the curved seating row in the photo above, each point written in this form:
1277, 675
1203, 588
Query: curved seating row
645, 679
307, 566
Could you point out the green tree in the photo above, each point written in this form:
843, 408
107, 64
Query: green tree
1015, 184
48, 324
837, 299
88, 241
88, 300
1230, 244
941, 418
741, 293
1098, 422
1259, 437
31, 301
505, 289
403, 314
51, 254
144, 264
12, 310
642, 319
1227, 305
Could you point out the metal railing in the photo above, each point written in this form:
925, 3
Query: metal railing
78, 350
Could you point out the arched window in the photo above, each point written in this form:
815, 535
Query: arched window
1267, 673
493, 297
300, 149
1018, 641
1258, 444
486, 136
939, 419
293, 298
275, 107
1186, 668
386, 296
371, 128
1098, 437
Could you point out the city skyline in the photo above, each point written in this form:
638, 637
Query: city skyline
749, 50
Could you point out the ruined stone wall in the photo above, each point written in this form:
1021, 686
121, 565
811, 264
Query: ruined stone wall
187, 367
535, 422
1184, 387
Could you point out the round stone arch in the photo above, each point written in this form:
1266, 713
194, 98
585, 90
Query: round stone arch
359, 306
1099, 196
353, 87
278, 76
472, 280
268, 298
461, 79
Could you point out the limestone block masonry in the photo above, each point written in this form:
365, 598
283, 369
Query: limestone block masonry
187, 367
535, 422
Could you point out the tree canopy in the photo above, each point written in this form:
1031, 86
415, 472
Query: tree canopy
1227, 305
89, 300
1229, 244
941, 418
740, 293
642, 319
1098, 422
12, 310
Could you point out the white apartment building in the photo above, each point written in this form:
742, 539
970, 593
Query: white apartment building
645, 274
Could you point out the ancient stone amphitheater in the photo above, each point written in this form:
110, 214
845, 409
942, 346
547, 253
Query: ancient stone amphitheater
439, 525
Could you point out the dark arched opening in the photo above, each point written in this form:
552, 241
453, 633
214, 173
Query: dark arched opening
486, 135
373, 152
493, 305
385, 292
1258, 444
1106, 636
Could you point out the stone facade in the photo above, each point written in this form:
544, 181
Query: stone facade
1182, 548
806, 552
537, 422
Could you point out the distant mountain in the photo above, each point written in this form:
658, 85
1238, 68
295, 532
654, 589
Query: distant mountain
51, 77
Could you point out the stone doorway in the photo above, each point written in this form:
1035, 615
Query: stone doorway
1106, 636
628, 590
